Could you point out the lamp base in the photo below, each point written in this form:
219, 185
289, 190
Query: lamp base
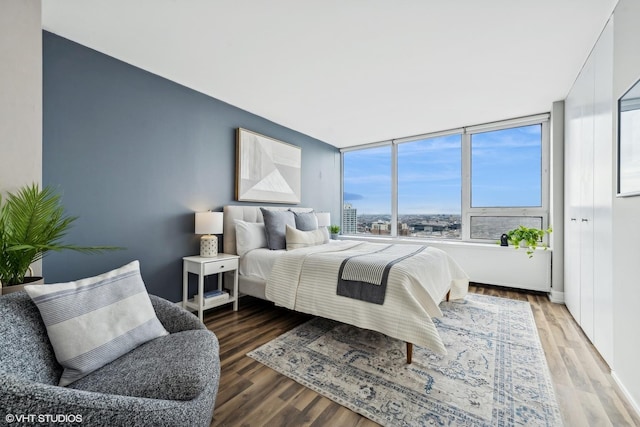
209, 246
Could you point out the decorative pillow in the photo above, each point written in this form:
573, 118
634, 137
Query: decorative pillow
275, 223
93, 321
306, 221
302, 239
249, 235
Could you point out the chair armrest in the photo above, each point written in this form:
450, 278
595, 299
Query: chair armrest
23, 397
173, 317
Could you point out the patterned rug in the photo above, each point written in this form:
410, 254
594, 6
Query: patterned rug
495, 372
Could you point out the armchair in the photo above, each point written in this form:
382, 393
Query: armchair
172, 380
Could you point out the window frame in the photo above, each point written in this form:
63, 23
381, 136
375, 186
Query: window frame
534, 211
396, 143
394, 181
467, 211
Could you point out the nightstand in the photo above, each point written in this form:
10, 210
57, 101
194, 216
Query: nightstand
204, 267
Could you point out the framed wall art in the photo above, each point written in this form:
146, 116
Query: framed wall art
267, 170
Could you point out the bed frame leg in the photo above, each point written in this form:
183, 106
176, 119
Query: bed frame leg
410, 345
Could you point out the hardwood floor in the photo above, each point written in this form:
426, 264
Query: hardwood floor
250, 394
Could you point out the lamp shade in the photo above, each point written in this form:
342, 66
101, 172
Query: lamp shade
324, 219
209, 222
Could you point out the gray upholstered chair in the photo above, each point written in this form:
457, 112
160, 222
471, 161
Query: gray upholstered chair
169, 381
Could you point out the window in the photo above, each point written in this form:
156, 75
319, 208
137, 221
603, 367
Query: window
509, 182
472, 183
429, 187
506, 167
366, 194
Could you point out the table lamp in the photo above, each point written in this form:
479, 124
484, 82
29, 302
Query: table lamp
324, 219
208, 224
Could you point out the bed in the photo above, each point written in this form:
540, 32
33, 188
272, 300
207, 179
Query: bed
308, 279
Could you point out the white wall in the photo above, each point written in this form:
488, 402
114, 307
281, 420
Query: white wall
496, 265
556, 214
20, 93
626, 218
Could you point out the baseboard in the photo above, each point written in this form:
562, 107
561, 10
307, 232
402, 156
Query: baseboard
556, 297
626, 393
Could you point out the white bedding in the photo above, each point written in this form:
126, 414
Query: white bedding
305, 280
258, 263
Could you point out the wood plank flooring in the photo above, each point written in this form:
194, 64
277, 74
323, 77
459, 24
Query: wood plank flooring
250, 394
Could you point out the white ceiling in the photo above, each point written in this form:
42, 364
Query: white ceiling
351, 72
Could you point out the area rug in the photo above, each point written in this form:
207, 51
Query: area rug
495, 372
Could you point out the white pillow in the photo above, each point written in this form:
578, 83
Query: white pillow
249, 235
302, 239
93, 321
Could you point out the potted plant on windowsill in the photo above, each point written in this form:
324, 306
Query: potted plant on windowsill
529, 238
334, 230
32, 223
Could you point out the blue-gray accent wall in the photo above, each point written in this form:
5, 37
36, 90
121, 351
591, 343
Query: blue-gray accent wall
134, 155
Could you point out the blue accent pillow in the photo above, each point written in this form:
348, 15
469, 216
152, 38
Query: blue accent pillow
306, 221
275, 226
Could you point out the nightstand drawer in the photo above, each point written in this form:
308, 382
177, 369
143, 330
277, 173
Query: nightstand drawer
220, 266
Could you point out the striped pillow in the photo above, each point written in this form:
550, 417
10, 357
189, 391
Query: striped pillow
302, 239
93, 321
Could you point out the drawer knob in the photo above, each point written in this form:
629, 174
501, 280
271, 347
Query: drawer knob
222, 266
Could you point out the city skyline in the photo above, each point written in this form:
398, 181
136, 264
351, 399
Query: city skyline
411, 225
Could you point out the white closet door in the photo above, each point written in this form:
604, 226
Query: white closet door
585, 143
573, 129
603, 195
589, 192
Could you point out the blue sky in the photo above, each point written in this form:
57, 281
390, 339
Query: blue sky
506, 171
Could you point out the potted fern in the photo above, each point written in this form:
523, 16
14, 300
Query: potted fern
529, 238
334, 230
32, 223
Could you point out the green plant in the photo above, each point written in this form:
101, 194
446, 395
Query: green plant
334, 229
532, 238
32, 223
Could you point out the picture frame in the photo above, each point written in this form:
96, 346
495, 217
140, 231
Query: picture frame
267, 170
629, 142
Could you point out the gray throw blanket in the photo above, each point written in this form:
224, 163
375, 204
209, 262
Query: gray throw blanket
365, 276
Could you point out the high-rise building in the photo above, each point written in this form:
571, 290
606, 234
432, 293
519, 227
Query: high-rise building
349, 219
380, 227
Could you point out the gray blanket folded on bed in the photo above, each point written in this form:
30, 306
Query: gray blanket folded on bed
365, 276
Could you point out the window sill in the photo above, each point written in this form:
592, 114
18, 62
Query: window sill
427, 242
